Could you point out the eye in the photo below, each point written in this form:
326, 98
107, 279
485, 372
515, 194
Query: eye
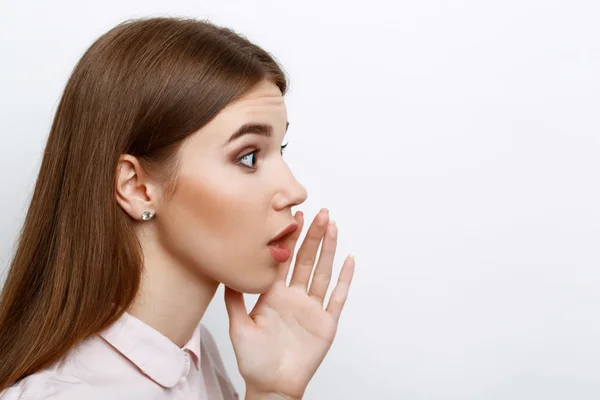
249, 160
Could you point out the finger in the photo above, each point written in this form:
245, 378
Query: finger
340, 292
305, 259
291, 242
322, 276
236, 308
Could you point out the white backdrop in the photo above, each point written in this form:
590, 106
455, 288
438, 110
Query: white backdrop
457, 145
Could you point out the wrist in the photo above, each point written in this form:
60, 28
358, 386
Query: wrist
252, 394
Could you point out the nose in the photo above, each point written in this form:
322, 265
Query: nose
290, 192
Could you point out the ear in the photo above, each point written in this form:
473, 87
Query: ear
134, 189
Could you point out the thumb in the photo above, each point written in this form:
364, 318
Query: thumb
236, 307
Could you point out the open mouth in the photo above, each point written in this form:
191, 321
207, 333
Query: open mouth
279, 249
284, 234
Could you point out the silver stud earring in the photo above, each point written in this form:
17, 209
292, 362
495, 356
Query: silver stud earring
147, 215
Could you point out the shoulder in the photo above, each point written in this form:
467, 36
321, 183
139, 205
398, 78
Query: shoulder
32, 387
53, 385
90, 371
48, 385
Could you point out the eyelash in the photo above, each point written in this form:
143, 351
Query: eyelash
256, 152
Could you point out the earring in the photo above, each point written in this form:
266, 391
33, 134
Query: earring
147, 215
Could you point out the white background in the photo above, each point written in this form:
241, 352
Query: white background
457, 145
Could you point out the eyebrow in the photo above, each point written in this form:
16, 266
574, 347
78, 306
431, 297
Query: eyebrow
253, 128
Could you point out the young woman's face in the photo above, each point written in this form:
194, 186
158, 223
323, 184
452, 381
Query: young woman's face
233, 196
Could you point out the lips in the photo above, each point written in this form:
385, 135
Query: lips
279, 250
281, 236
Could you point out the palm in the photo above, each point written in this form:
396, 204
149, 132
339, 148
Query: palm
282, 342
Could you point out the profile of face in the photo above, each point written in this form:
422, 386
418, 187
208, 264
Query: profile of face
233, 195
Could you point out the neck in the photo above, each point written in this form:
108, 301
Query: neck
172, 297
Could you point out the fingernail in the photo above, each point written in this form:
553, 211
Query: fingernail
351, 256
300, 213
326, 211
332, 222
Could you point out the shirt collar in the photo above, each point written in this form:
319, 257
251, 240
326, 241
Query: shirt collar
152, 352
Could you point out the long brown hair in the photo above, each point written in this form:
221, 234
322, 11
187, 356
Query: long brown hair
141, 88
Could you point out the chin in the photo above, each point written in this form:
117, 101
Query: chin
256, 283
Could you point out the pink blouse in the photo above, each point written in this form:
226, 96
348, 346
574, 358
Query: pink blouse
131, 360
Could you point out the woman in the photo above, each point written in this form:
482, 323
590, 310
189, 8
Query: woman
162, 178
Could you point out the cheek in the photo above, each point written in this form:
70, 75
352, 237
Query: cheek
222, 208
210, 206
216, 198
217, 223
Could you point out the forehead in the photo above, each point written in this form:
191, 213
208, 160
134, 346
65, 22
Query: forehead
264, 104
266, 95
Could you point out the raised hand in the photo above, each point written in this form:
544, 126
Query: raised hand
284, 339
